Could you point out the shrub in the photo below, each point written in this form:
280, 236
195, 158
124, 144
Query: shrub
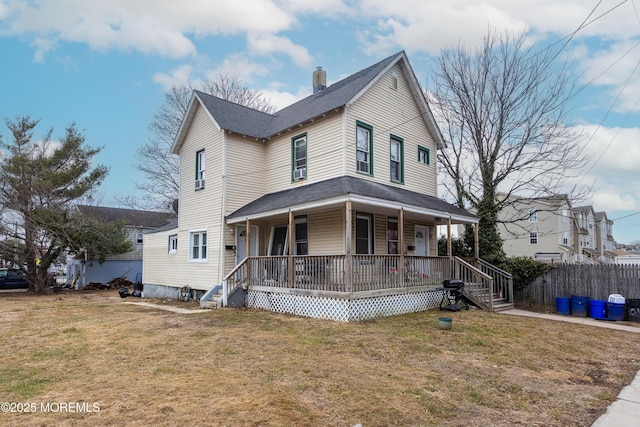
525, 270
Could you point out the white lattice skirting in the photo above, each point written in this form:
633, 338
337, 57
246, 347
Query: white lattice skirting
344, 309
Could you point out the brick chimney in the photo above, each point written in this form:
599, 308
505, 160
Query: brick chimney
319, 80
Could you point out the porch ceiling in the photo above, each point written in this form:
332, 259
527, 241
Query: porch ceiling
360, 191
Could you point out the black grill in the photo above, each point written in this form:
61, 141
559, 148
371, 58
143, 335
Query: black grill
452, 297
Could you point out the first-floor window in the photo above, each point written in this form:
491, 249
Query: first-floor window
392, 236
301, 236
533, 238
198, 245
173, 243
364, 234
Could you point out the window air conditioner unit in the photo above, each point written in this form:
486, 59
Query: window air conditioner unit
299, 173
199, 184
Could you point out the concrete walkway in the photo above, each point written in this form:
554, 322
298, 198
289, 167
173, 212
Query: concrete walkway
170, 308
625, 412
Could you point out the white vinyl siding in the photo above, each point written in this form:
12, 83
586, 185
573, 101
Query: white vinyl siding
246, 171
324, 154
392, 111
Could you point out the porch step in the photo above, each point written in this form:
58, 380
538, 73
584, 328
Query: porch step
502, 306
214, 301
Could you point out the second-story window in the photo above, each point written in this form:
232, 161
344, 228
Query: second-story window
200, 166
396, 159
533, 215
423, 155
299, 157
364, 148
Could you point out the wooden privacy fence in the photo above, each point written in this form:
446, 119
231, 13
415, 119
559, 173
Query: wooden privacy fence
594, 281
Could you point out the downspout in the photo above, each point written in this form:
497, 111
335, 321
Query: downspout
223, 210
344, 141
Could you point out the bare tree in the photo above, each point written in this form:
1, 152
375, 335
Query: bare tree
503, 111
159, 166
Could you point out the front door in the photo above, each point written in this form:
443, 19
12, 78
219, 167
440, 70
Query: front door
421, 240
241, 242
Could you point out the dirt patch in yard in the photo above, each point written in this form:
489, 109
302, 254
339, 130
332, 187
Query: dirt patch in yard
145, 366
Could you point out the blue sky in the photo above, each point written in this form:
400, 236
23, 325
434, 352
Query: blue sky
104, 65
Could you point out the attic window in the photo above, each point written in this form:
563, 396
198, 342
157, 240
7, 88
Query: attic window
394, 81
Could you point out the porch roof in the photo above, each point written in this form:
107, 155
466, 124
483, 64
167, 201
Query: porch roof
339, 190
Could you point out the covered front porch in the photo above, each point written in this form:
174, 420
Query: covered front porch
350, 250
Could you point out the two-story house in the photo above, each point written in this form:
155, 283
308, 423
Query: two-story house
605, 243
586, 234
541, 228
326, 208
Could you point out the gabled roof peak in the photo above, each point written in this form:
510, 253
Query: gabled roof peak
249, 122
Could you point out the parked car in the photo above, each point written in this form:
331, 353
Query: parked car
12, 279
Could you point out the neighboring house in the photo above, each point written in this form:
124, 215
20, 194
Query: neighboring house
549, 229
541, 228
626, 257
128, 265
605, 243
327, 208
586, 235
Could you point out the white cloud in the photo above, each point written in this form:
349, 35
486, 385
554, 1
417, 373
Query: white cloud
42, 46
330, 8
283, 99
240, 66
615, 158
180, 76
159, 27
266, 44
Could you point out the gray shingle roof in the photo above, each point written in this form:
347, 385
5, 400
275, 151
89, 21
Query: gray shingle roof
344, 186
250, 122
131, 217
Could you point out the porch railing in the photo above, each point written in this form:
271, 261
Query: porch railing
233, 280
478, 285
370, 273
328, 272
502, 281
